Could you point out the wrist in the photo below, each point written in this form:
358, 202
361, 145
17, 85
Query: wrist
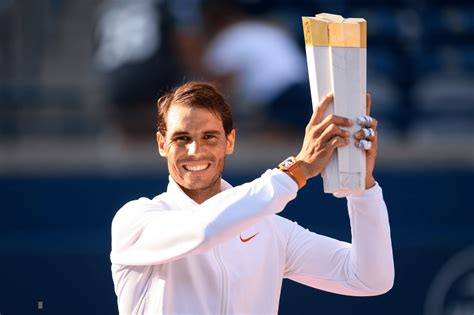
304, 166
369, 181
293, 168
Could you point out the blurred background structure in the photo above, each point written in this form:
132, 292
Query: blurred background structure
78, 86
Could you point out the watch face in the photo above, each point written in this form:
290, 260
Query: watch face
287, 163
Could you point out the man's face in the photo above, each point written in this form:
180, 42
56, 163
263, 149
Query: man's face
195, 146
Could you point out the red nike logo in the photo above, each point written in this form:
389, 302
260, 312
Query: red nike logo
247, 239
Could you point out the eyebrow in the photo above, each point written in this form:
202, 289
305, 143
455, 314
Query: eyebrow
179, 133
185, 133
216, 132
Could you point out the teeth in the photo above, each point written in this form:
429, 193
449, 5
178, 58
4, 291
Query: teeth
195, 168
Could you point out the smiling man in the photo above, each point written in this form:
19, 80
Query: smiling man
195, 139
205, 247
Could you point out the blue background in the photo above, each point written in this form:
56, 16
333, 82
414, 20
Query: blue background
58, 239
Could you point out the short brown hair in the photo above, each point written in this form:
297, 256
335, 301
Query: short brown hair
198, 94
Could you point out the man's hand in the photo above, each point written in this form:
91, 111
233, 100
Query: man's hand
321, 138
371, 153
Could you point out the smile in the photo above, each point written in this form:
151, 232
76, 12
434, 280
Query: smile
196, 168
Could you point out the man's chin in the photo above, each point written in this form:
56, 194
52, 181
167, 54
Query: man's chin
196, 184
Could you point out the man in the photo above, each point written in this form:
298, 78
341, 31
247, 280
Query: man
205, 247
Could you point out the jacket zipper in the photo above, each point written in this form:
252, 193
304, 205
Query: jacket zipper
224, 281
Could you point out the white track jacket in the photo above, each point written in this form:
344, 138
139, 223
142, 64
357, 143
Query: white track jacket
230, 254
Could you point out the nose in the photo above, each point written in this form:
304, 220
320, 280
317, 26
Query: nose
193, 148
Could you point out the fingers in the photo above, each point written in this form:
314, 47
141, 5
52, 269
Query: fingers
366, 121
335, 120
326, 101
368, 132
365, 133
337, 142
366, 138
322, 107
364, 144
333, 131
368, 103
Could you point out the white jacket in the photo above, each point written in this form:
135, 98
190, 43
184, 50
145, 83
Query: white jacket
230, 254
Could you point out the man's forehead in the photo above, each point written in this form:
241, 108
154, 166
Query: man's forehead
183, 115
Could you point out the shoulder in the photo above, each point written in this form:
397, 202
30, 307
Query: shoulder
278, 224
277, 230
143, 204
138, 207
287, 227
279, 220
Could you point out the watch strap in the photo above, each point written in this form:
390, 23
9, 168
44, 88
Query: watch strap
294, 171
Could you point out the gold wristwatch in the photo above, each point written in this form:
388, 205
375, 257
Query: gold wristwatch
292, 167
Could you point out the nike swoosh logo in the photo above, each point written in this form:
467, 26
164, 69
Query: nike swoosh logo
244, 240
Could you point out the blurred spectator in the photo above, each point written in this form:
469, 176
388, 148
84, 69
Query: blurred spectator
257, 63
134, 54
248, 48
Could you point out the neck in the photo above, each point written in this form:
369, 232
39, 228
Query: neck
201, 195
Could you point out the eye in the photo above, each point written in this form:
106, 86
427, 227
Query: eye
182, 139
210, 137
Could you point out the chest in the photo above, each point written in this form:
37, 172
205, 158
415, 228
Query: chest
257, 253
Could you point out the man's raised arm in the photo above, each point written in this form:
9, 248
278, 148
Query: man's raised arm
145, 232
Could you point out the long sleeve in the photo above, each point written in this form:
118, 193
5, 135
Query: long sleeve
146, 232
362, 268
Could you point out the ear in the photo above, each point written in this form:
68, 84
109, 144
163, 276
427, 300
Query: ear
160, 139
230, 142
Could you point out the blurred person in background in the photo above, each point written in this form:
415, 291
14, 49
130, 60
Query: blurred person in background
205, 247
259, 62
134, 53
253, 60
